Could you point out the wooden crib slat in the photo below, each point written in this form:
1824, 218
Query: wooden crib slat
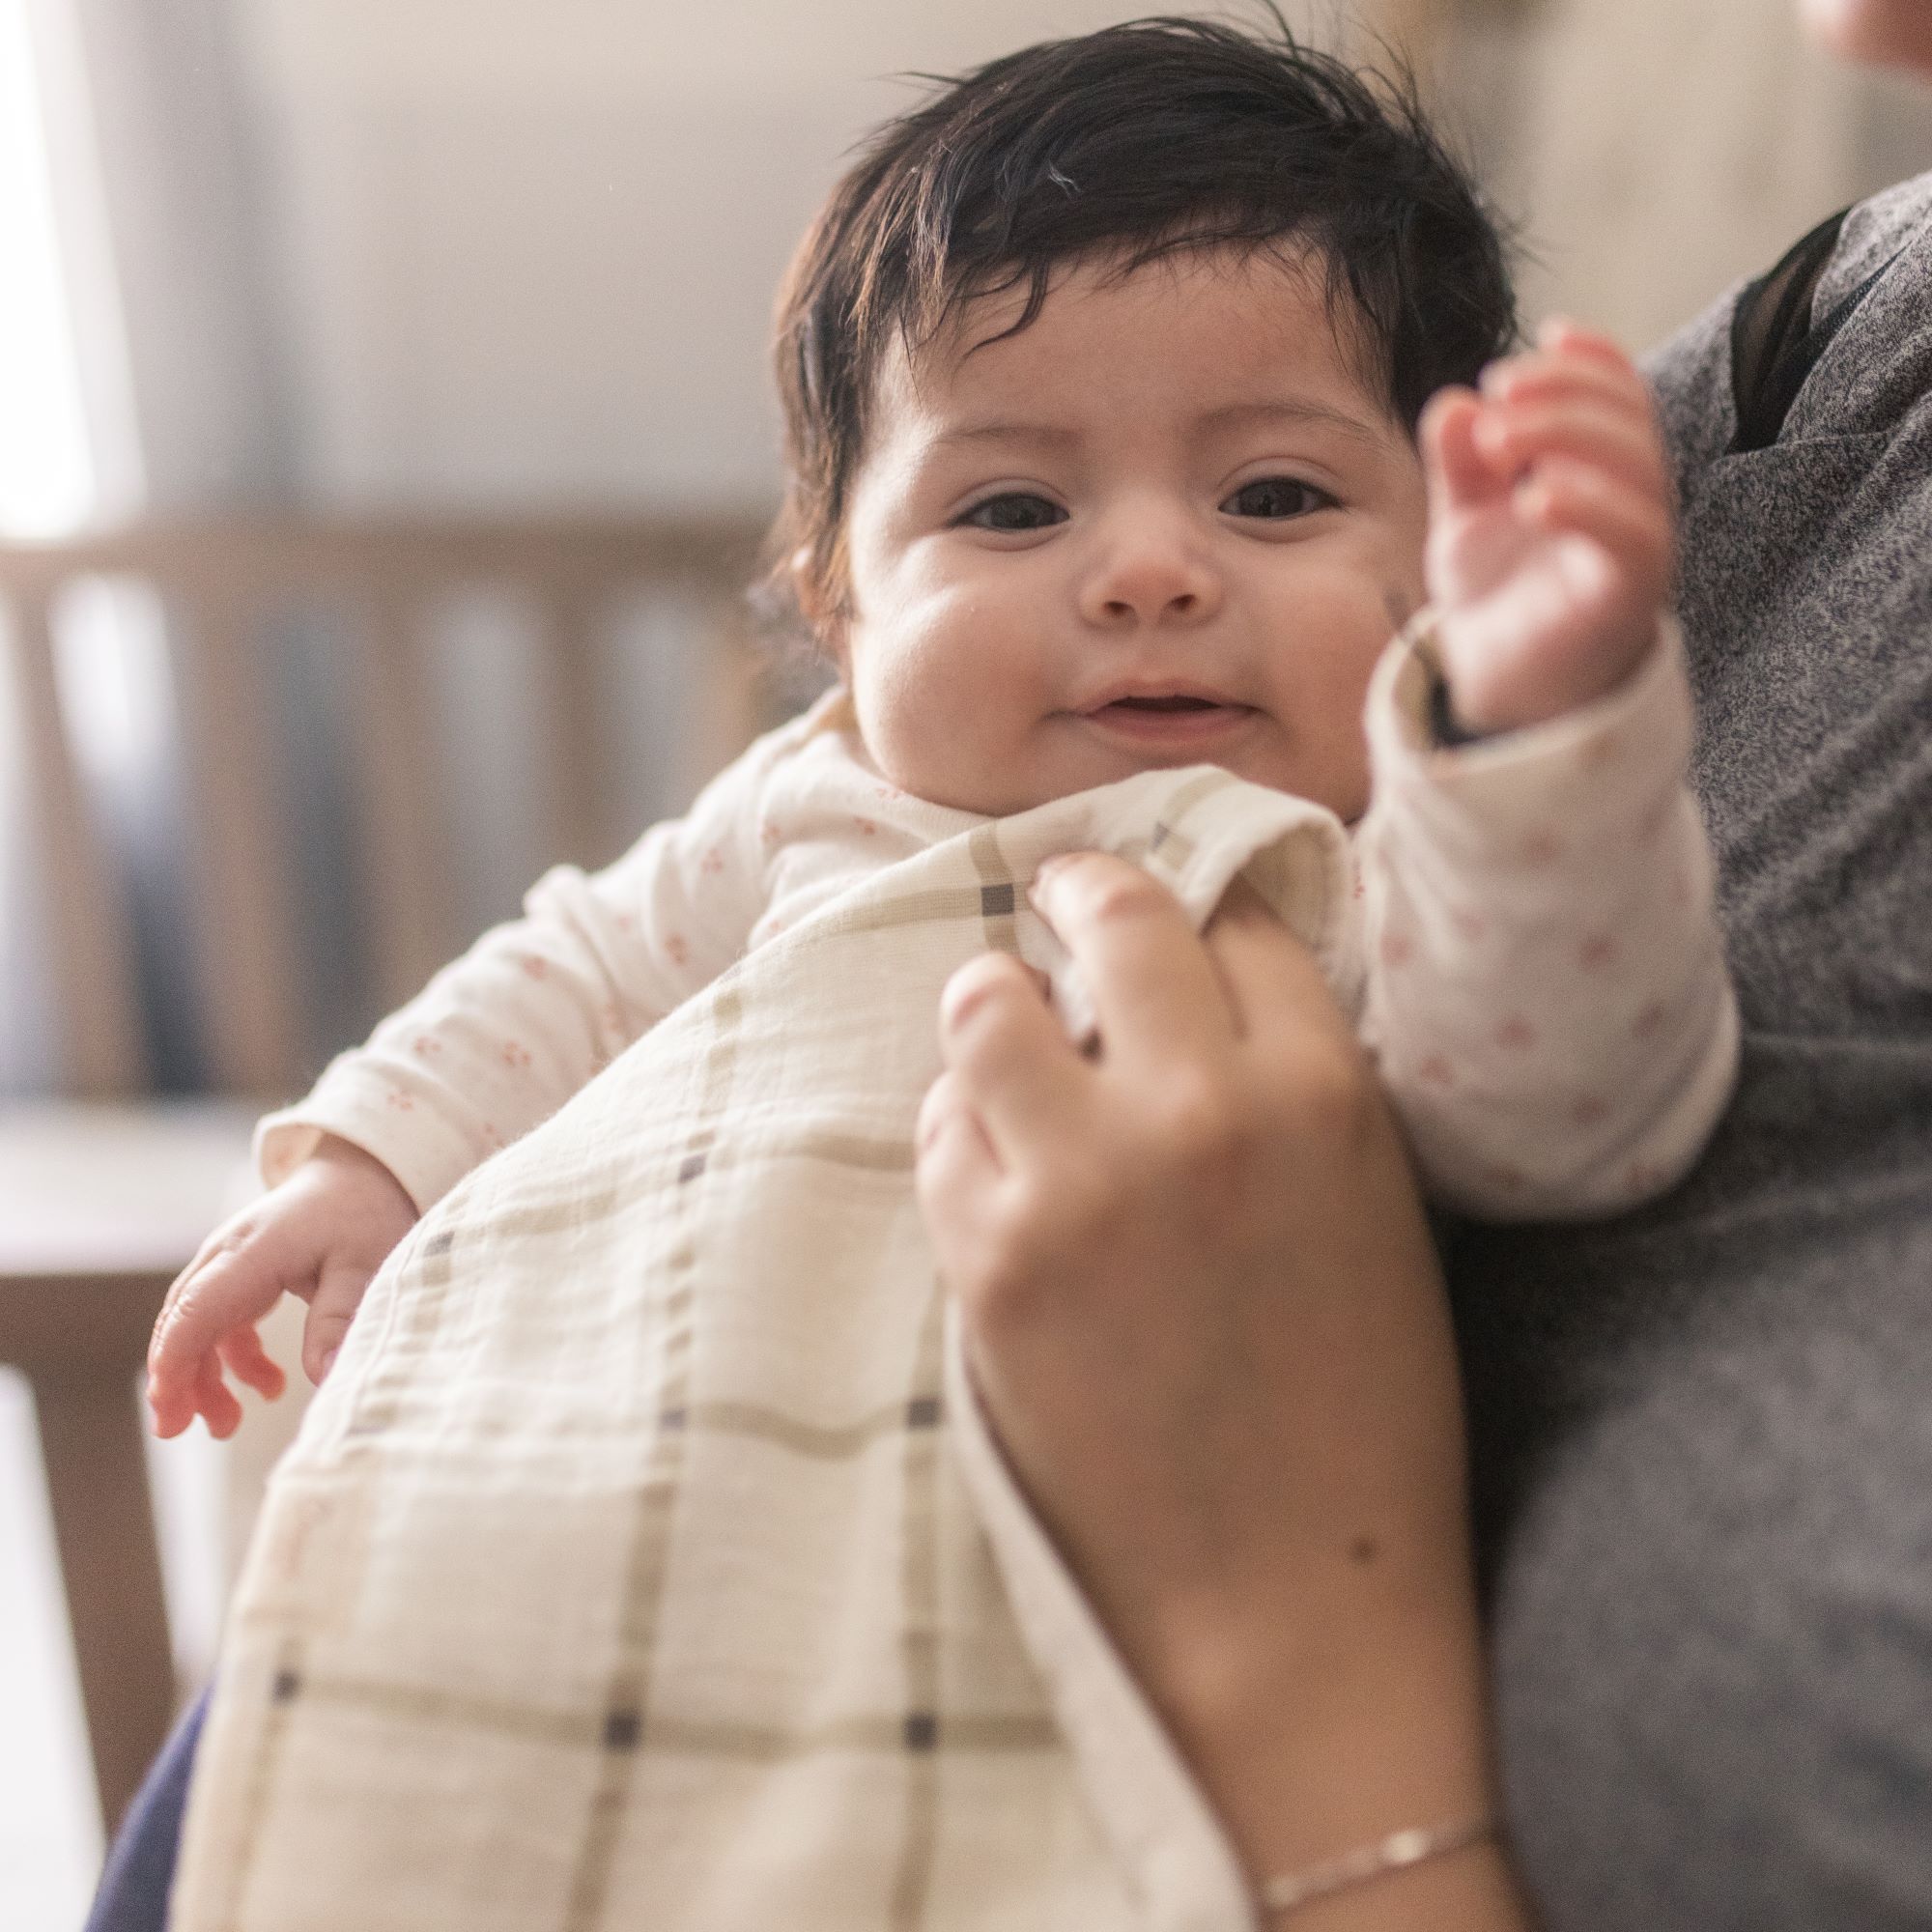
241, 908
404, 862
99, 1012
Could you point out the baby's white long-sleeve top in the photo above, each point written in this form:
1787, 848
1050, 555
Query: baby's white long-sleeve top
1545, 990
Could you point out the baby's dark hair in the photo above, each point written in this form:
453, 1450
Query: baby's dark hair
1139, 141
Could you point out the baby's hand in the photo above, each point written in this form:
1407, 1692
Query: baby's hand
321, 1234
1552, 535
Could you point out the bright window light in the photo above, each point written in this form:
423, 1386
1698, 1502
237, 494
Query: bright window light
47, 481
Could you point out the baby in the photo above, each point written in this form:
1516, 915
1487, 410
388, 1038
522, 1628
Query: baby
1137, 388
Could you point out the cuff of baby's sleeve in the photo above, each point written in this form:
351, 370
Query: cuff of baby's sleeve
1585, 766
427, 1154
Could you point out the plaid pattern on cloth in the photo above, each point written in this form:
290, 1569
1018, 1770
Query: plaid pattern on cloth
645, 1561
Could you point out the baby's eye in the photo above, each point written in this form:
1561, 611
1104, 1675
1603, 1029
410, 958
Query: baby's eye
1277, 497
1014, 511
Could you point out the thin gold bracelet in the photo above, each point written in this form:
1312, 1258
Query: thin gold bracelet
1396, 1853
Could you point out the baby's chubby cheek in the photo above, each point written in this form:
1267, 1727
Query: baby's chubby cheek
931, 720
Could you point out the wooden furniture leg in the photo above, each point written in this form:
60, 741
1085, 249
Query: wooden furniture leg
90, 1439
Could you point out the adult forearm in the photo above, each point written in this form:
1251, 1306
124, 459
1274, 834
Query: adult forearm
1312, 1743
1205, 1319
1326, 1682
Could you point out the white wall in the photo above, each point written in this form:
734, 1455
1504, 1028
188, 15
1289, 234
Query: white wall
526, 248
530, 247
1662, 148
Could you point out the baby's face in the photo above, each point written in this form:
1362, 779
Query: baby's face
1167, 523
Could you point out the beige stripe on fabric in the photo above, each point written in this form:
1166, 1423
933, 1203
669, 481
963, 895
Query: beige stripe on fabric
284, 1686
452, 1711
648, 1566
919, 1627
1170, 847
998, 892
931, 907
883, 1156
561, 1217
882, 1733
822, 1442
754, 1744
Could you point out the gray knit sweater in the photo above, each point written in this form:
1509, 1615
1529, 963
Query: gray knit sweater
1703, 1433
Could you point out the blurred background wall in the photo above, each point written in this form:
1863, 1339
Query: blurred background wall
451, 255
504, 255
517, 251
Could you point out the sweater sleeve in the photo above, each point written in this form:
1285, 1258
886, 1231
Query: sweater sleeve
500, 1038
1546, 995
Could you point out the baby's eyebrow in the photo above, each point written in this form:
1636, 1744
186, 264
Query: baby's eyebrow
1051, 434
1292, 415
1283, 413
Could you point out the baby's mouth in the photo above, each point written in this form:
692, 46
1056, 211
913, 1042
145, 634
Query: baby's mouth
1175, 717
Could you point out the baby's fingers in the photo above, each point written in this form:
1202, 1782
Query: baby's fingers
1632, 525
173, 1389
217, 1405
1458, 474
1621, 443
332, 1309
244, 1358
1570, 364
228, 1289
1559, 335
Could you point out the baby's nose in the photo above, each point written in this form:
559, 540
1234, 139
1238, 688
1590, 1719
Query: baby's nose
1153, 569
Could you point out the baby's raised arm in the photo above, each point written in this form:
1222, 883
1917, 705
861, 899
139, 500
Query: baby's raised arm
1547, 990
1551, 532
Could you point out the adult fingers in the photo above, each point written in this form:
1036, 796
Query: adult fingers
957, 1176
1009, 1053
1276, 988
1157, 994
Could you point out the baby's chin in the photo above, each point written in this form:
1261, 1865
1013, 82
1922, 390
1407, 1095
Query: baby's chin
1006, 794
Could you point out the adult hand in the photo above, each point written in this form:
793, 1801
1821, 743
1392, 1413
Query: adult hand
1204, 1318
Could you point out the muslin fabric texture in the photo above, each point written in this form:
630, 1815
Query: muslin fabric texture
622, 1574
646, 1560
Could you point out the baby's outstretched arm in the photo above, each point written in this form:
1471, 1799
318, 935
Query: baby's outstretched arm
1552, 538
321, 1234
